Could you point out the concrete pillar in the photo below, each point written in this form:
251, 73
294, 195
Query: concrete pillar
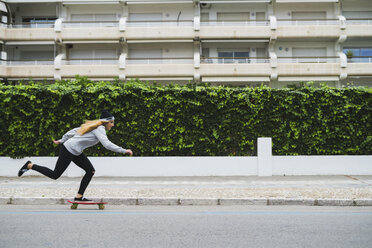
264, 154
196, 54
63, 12
123, 60
196, 16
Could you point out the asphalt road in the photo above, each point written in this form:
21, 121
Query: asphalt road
178, 226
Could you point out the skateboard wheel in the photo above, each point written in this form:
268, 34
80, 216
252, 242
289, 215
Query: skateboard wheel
74, 206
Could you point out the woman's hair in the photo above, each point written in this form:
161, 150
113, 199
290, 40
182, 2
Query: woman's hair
90, 126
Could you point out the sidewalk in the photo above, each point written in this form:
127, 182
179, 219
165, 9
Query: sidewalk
276, 190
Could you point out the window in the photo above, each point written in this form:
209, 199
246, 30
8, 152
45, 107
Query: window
205, 52
357, 14
233, 57
260, 16
145, 17
261, 53
204, 17
309, 52
3, 13
147, 56
244, 16
361, 55
93, 53
39, 21
93, 17
37, 55
299, 15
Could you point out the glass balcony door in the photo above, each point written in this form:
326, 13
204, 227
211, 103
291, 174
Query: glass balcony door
228, 57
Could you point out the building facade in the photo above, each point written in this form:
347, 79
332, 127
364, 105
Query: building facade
234, 42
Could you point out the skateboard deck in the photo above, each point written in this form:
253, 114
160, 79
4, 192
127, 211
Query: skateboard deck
101, 205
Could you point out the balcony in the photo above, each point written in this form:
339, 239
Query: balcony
101, 61
234, 29
308, 66
28, 32
162, 30
159, 67
155, 61
327, 28
235, 60
44, 24
359, 27
212, 69
27, 69
359, 66
309, 60
137, 30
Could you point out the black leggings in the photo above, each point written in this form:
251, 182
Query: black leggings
64, 159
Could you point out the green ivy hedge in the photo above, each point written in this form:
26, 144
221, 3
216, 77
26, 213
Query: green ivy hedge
188, 120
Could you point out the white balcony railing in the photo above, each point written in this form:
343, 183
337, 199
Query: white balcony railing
160, 23
108, 61
28, 62
304, 22
360, 59
212, 60
160, 61
359, 21
252, 60
308, 59
32, 25
236, 23
188, 23
86, 24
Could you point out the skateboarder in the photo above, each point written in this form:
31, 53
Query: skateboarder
72, 145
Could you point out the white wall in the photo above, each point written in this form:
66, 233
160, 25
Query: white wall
284, 10
33, 10
286, 50
39, 52
356, 5
357, 43
203, 166
235, 7
80, 51
145, 166
115, 9
169, 50
170, 12
322, 165
263, 165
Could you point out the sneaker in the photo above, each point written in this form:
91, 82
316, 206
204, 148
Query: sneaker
23, 169
82, 199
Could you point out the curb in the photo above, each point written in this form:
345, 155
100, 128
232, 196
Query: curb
193, 201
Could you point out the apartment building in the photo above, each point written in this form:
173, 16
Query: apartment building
232, 42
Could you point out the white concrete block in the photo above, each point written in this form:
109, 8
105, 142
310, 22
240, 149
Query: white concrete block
158, 201
5, 200
36, 201
247, 201
198, 202
291, 201
264, 154
335, 202
120, 201
363, 202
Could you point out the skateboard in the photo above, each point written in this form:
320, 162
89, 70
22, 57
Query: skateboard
101, 205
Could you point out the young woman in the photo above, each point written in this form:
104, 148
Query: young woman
73, 144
